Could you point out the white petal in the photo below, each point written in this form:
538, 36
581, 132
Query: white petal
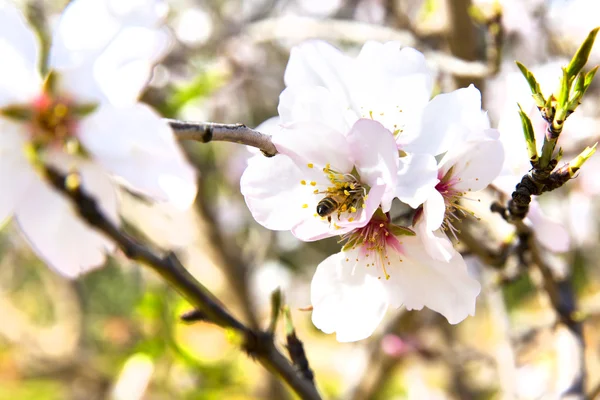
347, 298
434, 211
57, 233
311, 104
447, 118
315, 144
550, 233
317, 63
445, 287
273, 193
417, 178
16, 174
375, 155
436, 243
86, 27
19, 57
477, 165
390, 85
136, 145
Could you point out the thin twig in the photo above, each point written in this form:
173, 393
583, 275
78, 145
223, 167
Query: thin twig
235, 133
256, 343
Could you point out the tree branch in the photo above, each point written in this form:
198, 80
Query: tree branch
235, 133
256, 343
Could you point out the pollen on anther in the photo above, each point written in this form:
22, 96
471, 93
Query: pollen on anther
303, 182
347, 193
350, 219
353, 209
313, 183
304, 205
310, 165
316, 191
364, 205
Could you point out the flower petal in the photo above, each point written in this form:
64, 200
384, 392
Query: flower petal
444, 287
417, 178
317, 63
315, 144
57, 233
375, 155
16, 174
550, 233
434, 211
273, 193
136, 145
19, 55
447, 118
311, 104
435, 243
347, 298
476, 165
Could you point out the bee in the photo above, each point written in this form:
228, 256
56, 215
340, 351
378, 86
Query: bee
327, 206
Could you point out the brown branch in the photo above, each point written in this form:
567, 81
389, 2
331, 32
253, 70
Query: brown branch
235, 133
256, 343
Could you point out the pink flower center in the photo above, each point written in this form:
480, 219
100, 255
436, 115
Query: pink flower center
53, 121
455, 211
373, 242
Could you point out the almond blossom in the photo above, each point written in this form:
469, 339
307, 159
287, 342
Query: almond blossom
382, 265
324, 182
83, 117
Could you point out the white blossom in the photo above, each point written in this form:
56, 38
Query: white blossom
83, 117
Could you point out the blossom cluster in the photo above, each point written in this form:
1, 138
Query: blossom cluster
77, 111
359, 138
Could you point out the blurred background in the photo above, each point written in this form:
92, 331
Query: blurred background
116, 334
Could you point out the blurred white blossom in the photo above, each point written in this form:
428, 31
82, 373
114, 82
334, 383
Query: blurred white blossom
83, 117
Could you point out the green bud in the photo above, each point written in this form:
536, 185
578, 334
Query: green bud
276, 301
563, 91
289, 324
529, 135
536, 91
578, 161
588, 78
581, 56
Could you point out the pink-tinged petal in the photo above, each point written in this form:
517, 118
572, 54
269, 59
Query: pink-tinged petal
315, 144
347, 297
435, 243
444, 287
273, 193
311, 104
447, 118
417, 177
434, 210
16, 173
550, 233
313, 228
55, 231
19, 57
375, 156
317, 63
134, 144
476, 166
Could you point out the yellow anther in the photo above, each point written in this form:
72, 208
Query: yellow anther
303, 182
344, 207
304, 205
313, 183
60, 110
310, 165
347, 193
353, 209
350, 219
364, 205
316, 191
